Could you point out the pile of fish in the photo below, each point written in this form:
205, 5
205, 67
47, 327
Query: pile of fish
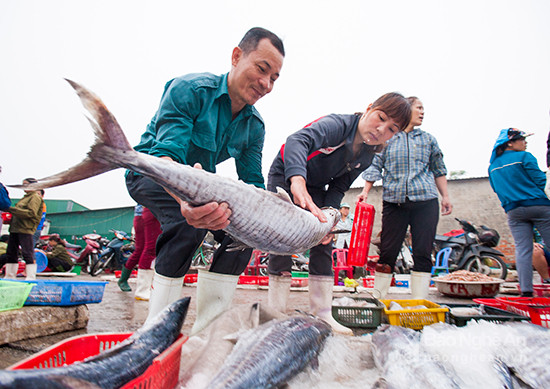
114, 367
479, 355
267, 228
269, 355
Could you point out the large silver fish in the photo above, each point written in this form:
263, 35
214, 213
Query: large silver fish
112, 368
267, 221
271, 354
403, 364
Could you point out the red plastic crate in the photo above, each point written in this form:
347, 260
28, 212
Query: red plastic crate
536, 308
248, 280
119, 272
190, 278
361, 232
163, 372
368, 282
299, 282
490, 302
542, 290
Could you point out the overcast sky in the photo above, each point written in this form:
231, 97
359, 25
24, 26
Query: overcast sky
478, 66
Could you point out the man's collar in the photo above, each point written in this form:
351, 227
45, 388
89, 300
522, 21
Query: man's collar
222, 89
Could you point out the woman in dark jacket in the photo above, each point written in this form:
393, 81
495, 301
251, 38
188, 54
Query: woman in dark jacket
58, 259
316, 166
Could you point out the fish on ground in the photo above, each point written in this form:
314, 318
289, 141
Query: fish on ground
266, 229
271, 354
205, 352
114, 367
404, 364
493, 355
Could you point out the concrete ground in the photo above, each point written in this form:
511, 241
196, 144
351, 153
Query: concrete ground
121, 312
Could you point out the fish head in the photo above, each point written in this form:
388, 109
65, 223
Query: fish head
332, 215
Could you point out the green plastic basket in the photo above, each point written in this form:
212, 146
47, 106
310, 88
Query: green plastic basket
361, 317
13, 294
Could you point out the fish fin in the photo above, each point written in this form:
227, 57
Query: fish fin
237, 246
381, 383
340, 231
107, 132
315, 363
283, 194
61, 381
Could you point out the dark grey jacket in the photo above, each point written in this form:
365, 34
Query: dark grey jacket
322, 153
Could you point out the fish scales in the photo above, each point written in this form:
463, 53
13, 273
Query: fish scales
271, 354
398, 354
112, 368
260, 219
256, 213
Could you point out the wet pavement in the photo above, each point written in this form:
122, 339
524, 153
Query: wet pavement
121, 312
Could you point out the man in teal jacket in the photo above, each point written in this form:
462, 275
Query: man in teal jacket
203, 120
515, 176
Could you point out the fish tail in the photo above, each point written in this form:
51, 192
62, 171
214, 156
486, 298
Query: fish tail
106, 128
108, 135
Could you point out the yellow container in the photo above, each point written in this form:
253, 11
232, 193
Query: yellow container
414, 318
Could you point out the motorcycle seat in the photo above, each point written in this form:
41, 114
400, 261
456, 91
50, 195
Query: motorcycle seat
72, 246
450, 239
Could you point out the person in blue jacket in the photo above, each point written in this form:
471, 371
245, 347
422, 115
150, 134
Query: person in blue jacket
515, 177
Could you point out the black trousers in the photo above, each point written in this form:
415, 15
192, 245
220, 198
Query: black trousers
178, 241
320, 256
24, 241
57, 264
423, 217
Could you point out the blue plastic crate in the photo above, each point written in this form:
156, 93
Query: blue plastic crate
65, 292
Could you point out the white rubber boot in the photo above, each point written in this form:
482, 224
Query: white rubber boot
214, 295
30, 269
278, 292
165, 291
320, 301
420, 285
144, 281
382, 282
11, 271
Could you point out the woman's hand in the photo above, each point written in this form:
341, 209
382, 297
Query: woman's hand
303, 199
446, 206
362, 197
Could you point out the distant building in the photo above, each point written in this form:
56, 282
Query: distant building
72, 220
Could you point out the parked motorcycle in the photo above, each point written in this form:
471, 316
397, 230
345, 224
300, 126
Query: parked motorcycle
474, 250
404, 261
205, 253
115, 255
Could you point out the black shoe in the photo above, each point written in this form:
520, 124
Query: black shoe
526, 294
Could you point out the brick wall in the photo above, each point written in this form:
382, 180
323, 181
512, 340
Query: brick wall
472, 199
